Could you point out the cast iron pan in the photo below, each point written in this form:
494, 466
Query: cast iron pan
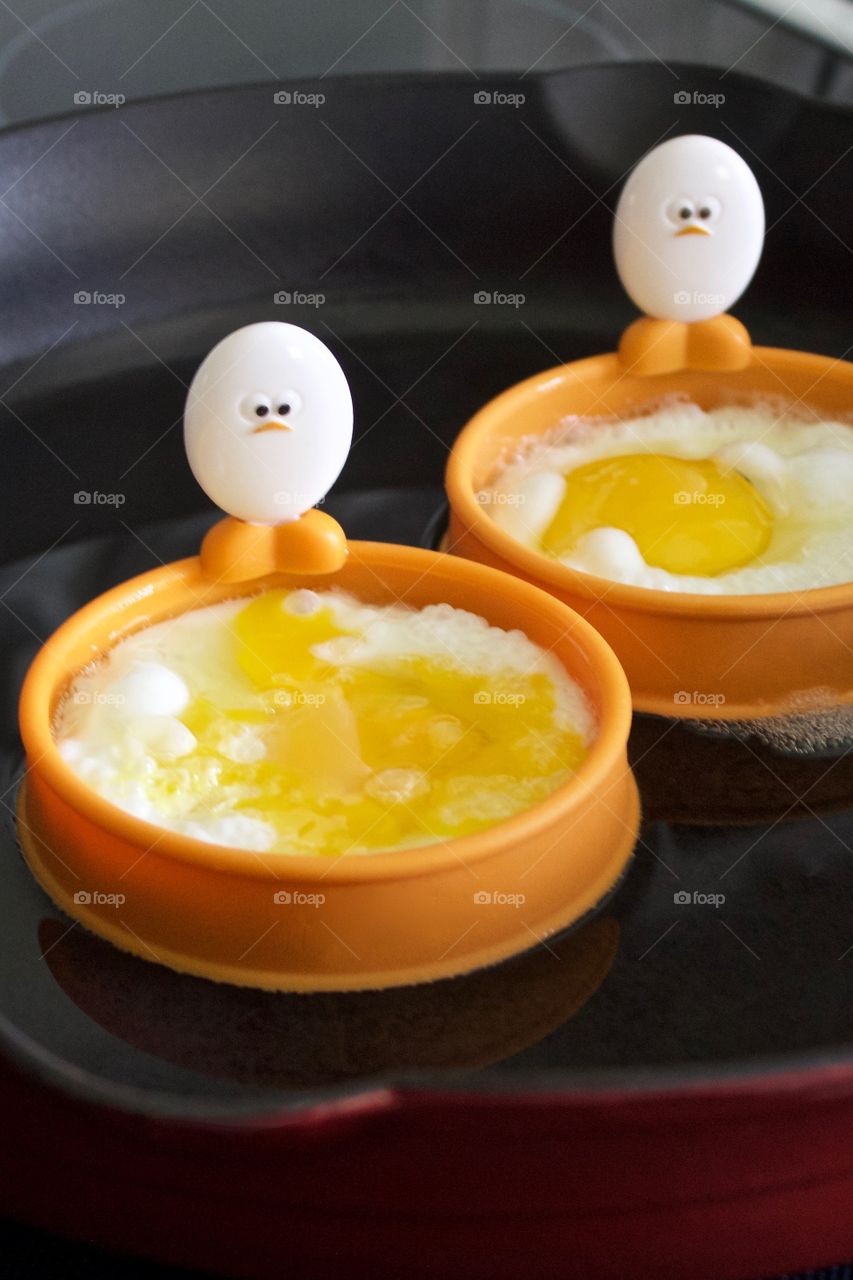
668, 1067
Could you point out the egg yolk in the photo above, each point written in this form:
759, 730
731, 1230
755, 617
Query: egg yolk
686, 516
402, 751
275, 644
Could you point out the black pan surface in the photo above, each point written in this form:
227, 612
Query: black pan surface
399, 200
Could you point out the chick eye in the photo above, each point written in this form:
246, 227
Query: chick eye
288, 403
679, 211
254, 406
709, 208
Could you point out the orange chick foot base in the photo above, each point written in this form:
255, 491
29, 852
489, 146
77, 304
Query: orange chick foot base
236, 551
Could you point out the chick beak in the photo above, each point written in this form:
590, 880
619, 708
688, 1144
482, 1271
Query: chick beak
272, 425
693, 230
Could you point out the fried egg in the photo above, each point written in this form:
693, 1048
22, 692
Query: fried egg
738, 499
303, 722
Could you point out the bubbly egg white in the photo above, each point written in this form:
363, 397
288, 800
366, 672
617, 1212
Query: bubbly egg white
121, 716
803, 469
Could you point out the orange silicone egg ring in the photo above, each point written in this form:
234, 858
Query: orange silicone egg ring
735, 657
386, 919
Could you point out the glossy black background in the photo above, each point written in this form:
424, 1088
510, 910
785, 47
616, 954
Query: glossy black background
513, 199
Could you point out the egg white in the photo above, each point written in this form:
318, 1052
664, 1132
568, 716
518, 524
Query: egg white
802, 468
120, 717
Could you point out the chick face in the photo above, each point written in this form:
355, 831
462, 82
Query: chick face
268, 422
689, 229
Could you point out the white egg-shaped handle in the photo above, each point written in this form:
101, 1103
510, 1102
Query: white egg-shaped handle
688, 229
268, 422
